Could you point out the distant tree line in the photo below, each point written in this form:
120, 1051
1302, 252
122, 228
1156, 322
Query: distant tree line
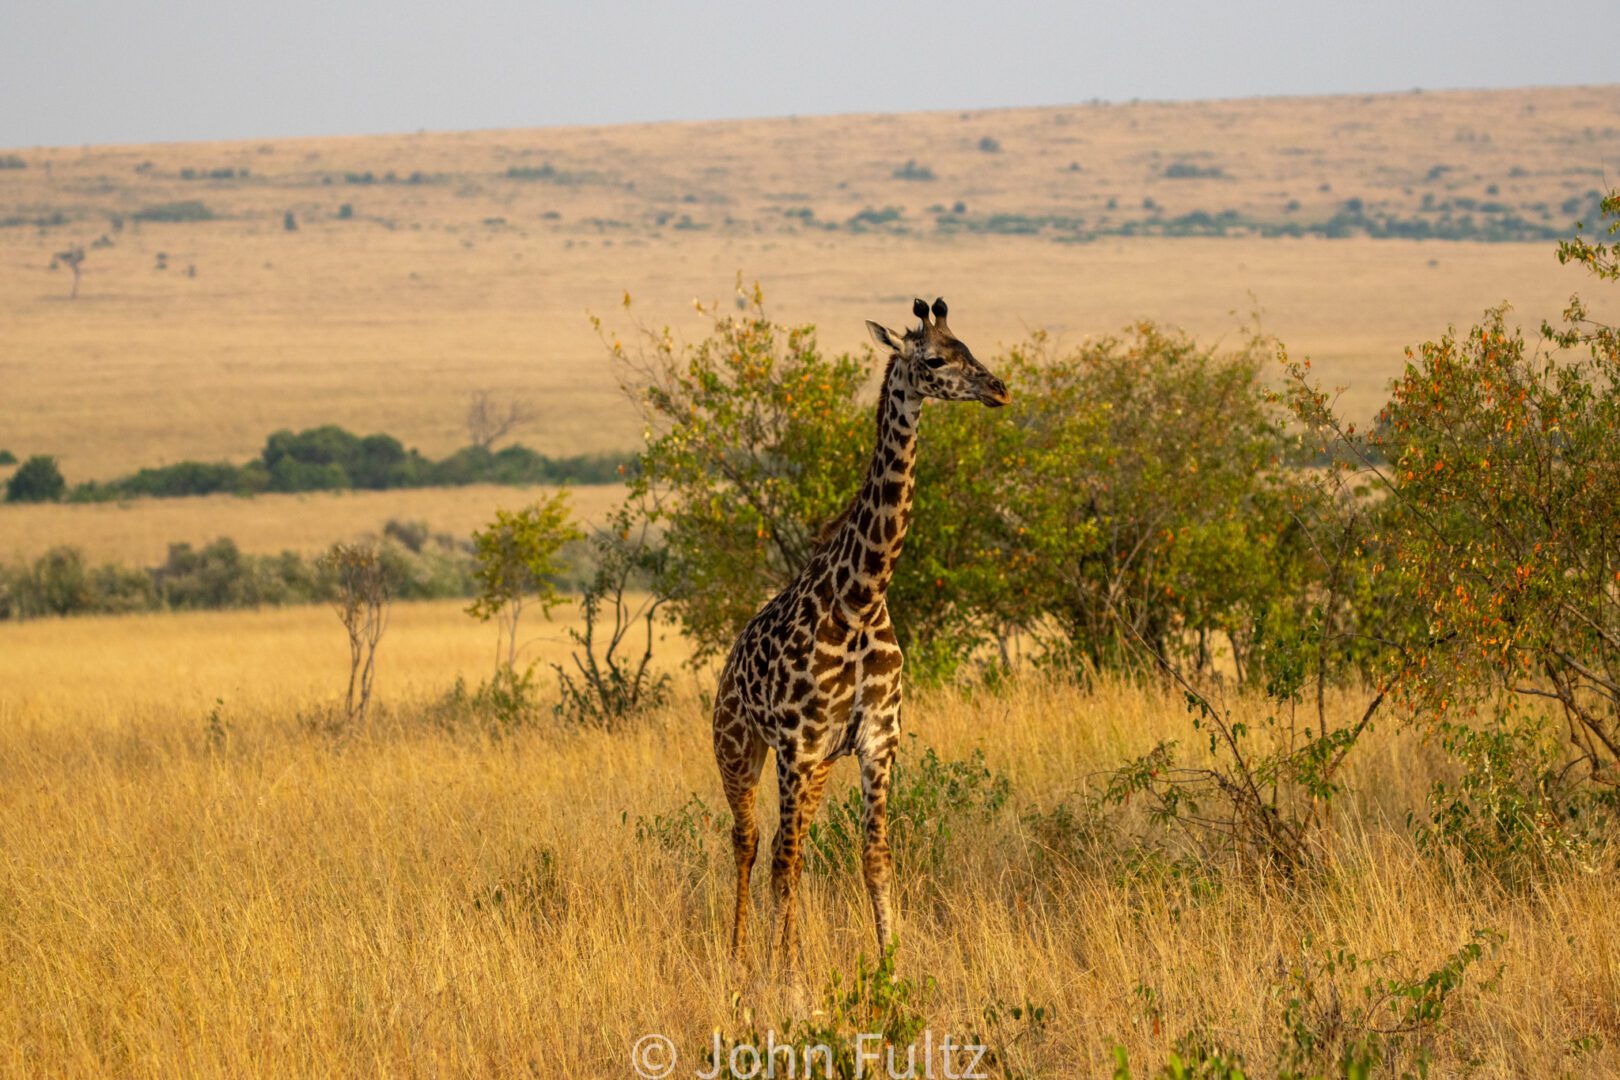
417, 564
322, 459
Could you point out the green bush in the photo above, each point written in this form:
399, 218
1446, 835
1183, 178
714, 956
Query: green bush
331, 459
755, 440
12, 161
186, 210
550, 174
183, 478
1129, 491
516, 564
37, 480
929, 797
7, 457
913, 171
1187, 170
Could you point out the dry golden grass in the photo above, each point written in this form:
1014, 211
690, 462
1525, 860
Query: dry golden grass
387, 320
138, 532
281, 903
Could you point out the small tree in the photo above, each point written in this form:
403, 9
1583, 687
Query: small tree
362, 604
1501, 469
73, 259
516, 566
754, 440
614, 679
38, 480
488, 420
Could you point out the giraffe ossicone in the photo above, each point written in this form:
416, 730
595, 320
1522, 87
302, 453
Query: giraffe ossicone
815, 674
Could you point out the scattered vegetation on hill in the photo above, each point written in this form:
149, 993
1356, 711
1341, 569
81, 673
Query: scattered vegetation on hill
913, 171
185, 210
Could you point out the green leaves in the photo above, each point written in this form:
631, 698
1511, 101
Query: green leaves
517, 556
1132, 481
515, 562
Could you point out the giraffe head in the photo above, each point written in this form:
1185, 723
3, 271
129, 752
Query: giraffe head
936, 363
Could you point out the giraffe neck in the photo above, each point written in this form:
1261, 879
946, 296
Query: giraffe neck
868, 542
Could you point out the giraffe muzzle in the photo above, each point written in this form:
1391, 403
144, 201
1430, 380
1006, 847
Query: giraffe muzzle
995, 394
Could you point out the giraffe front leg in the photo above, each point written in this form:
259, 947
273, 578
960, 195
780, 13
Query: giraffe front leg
876, 862
800, 786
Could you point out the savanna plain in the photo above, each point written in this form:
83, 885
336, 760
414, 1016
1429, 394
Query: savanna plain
201, 874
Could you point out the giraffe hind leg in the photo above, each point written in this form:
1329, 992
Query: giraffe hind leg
740, 754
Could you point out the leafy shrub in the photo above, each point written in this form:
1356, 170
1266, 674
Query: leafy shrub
219, 575
1035, 517
609, 684
873, 1027
913, 171
685, 833
1501, 501
7, 457
928, 800
516, 565
754, 410
61, 582
37, 480
12, 161
1511, 811
506, 702
1341, 1015
989, 145
186, 210
183, 478
1187, 170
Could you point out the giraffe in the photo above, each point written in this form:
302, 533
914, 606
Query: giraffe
815, 674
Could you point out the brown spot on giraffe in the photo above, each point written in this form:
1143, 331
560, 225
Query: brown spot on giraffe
816, 673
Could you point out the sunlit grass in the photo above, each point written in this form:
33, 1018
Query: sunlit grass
254, 897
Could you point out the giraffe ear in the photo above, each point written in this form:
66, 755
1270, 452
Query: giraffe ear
884, 337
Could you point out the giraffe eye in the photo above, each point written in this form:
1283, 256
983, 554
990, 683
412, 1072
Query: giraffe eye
934, 361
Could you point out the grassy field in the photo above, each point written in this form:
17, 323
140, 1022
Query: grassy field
265, 899
469, 260
198, 877
138, 532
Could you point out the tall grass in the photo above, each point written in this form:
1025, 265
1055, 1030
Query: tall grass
194, 888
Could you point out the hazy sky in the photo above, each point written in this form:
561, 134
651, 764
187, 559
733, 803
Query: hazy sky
99, 71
